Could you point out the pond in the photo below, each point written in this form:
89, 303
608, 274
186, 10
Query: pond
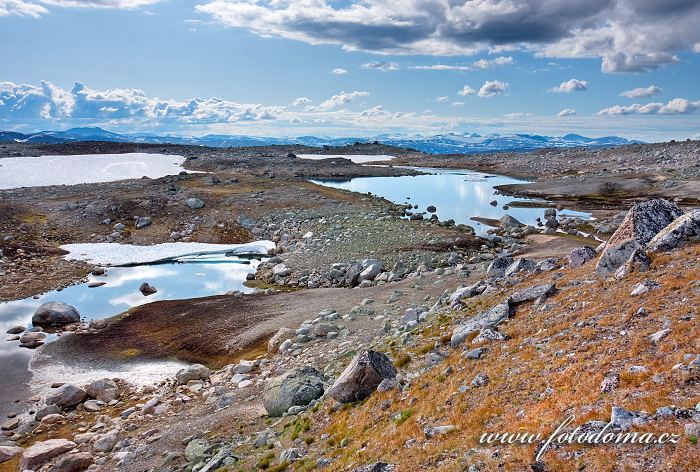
457, 194
189, 277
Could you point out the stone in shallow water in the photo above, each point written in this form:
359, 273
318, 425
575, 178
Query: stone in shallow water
55, 313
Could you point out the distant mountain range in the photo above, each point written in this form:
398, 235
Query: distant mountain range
436, 144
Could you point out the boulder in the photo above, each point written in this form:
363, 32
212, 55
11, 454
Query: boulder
192, 372
486, 320
16, 330
143, 222
107, 441
194, 203
42, 413
8, 452
281, 270
73, 463
581, 255
376, 467
519, 265
681, 231
643, 222
532, 293
508, 222
39, 453
372, 268
298, 387
279, 337
498, 266
55, 313
146, 289
32, 339
362, 376
637, 262
467, 292
66, 396
104, 390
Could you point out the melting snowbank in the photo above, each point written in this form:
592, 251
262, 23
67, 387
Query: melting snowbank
39, 171
126, 254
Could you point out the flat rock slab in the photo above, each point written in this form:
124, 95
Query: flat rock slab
41, 452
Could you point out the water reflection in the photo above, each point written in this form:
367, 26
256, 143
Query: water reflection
457, 194
192, 278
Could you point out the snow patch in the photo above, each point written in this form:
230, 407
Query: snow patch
126, 254
16, 172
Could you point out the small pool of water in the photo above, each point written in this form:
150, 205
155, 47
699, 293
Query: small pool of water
190, 277
457, 194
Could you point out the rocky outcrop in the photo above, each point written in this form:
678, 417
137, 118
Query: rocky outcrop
362, 376
677, 234
298, 387
54, 314
498, 266
643, 222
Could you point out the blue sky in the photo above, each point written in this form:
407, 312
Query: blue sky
267, 67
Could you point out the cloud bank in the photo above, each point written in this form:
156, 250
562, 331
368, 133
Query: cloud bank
677, 106
642, 92
38, 8
49, 102
627, 35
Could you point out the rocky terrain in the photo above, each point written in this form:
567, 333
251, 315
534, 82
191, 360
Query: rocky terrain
379, 339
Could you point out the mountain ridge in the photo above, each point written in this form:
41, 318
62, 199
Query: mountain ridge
446, 143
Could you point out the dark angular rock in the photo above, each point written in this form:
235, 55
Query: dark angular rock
362, 377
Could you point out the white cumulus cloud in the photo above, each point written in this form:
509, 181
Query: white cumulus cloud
488, 63
572, 85
466, 90
339, 71
37, 8
642, 92
567, 112
343, 98
492, 88
381, 66
301, 101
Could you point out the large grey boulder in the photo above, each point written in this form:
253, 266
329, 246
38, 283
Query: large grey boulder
66, 396
643, 222
681, 231
104, 390
39, 453
519, 265
486, 320
107, 441
498, 266
192, 372
55, 313
362, 376
298, 387
581, 255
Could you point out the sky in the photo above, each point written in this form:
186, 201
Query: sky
353, 68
